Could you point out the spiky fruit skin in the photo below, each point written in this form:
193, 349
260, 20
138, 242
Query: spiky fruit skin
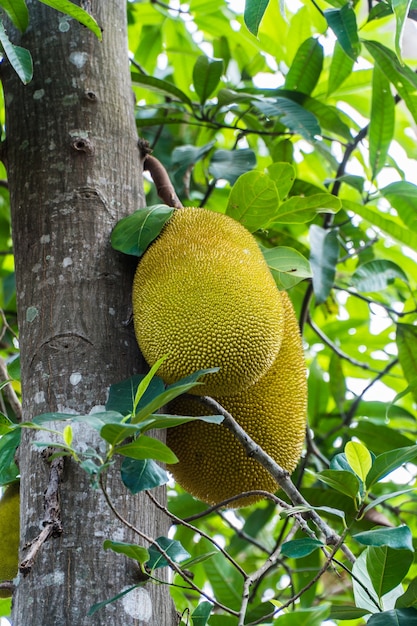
213, 465
203, 294
9, 534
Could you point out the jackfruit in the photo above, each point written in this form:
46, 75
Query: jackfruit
9, 534
213, 466
203, 295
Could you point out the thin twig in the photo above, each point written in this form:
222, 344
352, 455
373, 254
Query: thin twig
154, 543
281, 476
180, 522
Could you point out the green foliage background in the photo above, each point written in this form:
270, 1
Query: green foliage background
299, 121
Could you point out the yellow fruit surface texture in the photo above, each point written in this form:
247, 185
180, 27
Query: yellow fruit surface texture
212, 464
9, 534
203, 294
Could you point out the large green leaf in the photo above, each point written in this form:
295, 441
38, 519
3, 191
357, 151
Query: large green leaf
401, 9
254, 12
139, 475
409, 597
381, 127
201, 614
340, 68
401, 76
399, 538
145, 447
387, 462
253, 200
17, 11
290, 114
163, 87
71, 9
283, 175
407, 353
288, 266
343, 24
206, 76
402, 195
298, 548
359, 459
133, 234
131, 550
300, 209
306, 67
387, 567
377, 275
376, 218
171, 547
19, 58
343, 481
230, 164
394, 617
323, 259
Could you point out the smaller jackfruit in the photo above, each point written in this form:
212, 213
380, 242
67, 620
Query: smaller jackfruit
9, 534
213, 466
203, 295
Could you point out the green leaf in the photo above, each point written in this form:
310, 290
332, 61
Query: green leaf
230, 164
122, 395
359, 459
323, 259
148, 448
306, 67
407, 355
13, 367
340, 68
387, 568
131, 550
399, 538
401, 76
382, 121
409, 597
377, 275
9, 443
389, 461
299, 209
99, 605
201, 614
291, 115
314, 616
77, 13
139, 475
116, 433
160, 420
206, 76
401, 9
385, 497
298, 548
343, 24
172, 391
287, 265
346, 612
341, 480
283, 175
402, 195
253, 14
162, 87
388, 225
394, 617
171, 547
134, 233
253, 200
19, 58
18, 13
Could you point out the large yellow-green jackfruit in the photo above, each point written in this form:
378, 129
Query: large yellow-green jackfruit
9, 534
203, 294
212, 464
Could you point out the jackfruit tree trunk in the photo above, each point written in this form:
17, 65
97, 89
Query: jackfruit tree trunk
74, 170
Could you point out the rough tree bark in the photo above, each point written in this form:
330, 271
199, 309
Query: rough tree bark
74, 171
